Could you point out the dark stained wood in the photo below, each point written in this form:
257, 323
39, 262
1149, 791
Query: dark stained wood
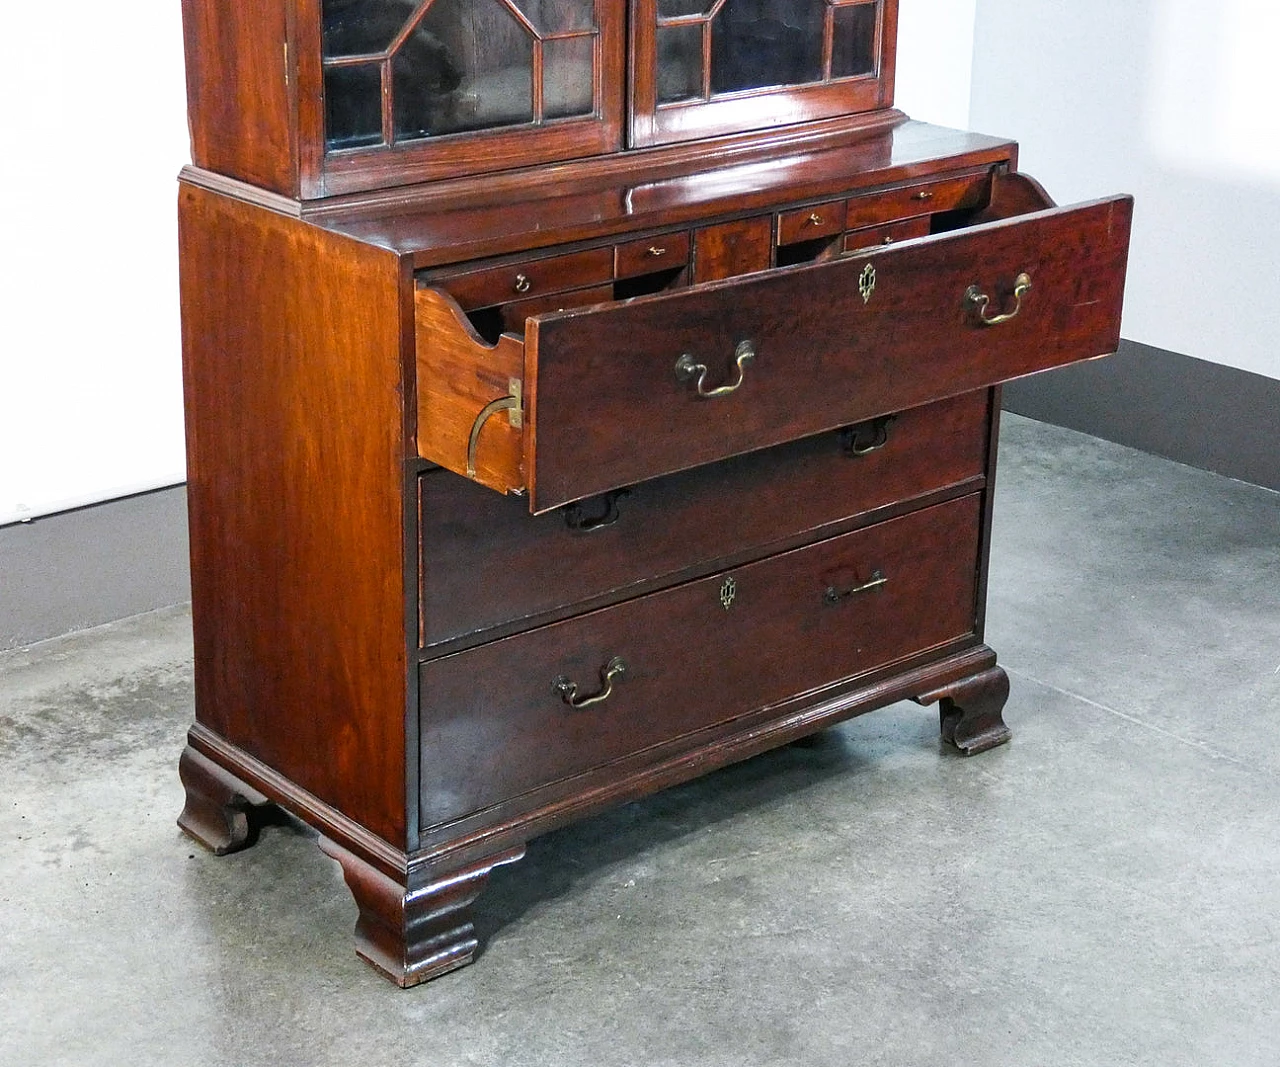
291, 342
419, 927
389, 650
487, 564
813, 220
217, 810
732, 248
526, 279
825, 357
887, 234
451, 222
690, 660
970, 711
661, 252
514, 315
922, 198
238, 93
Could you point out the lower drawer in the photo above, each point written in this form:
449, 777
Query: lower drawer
500, 720
487, 563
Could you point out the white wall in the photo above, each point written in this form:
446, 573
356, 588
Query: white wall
935, 60
94, 134
1177, 102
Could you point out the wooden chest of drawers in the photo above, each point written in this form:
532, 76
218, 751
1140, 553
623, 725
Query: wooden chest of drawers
498, 520
581, 396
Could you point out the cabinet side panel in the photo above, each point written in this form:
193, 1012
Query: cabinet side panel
238, 100
292, 366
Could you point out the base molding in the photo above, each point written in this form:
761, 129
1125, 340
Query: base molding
1202, 414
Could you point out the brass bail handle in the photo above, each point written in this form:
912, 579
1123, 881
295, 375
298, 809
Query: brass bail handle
979, 300
834, 595
610, 672
687, 369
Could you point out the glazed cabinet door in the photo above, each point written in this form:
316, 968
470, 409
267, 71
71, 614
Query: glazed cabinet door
706, 67
416, 89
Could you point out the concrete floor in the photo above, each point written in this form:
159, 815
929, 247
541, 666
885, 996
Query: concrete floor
1105, 890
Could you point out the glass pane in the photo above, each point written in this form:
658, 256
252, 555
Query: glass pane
679, 73
559, 16
757, 43
853, 48
468, 66
361, 27
567, 77
669, 9
353, 106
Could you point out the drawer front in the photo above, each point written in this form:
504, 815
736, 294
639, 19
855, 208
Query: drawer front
495, 722
889, 233
804, 224
554, 274
922, 199
733, 248
664, 252
805, 349
486, 562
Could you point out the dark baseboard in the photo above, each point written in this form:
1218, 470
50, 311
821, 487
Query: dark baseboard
85, 567
1203, 414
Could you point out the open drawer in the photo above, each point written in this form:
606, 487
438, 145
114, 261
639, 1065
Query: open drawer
599, 397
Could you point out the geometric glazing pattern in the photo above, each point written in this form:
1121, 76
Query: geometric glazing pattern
710, 48
402, 70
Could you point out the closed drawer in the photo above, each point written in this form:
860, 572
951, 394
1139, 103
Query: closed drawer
804, 224
487, 563
664, 252
531, 278
924, 198
889, 233
612, 395
496, 720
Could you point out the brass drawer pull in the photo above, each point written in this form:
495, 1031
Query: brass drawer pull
512, 404
866, 437
686, 369
568, 690
834, 595
656, 251
923, 194
523, 285
815, 219
979, 300
575, 519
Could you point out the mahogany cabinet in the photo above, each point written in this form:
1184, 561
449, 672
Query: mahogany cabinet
581, 397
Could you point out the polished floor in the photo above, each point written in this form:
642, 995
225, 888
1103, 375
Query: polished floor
1105, 890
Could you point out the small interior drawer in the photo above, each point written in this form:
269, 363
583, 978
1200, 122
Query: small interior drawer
923, 198
806, 223
667, 251
890, 233
600, 687
530, 278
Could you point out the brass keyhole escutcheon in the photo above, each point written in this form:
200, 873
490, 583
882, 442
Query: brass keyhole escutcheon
728, 590
867, 282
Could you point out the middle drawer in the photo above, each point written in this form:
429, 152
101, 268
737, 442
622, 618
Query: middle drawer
486, 563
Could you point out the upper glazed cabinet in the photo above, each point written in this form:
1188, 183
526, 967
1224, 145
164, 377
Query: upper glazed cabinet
319, 97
